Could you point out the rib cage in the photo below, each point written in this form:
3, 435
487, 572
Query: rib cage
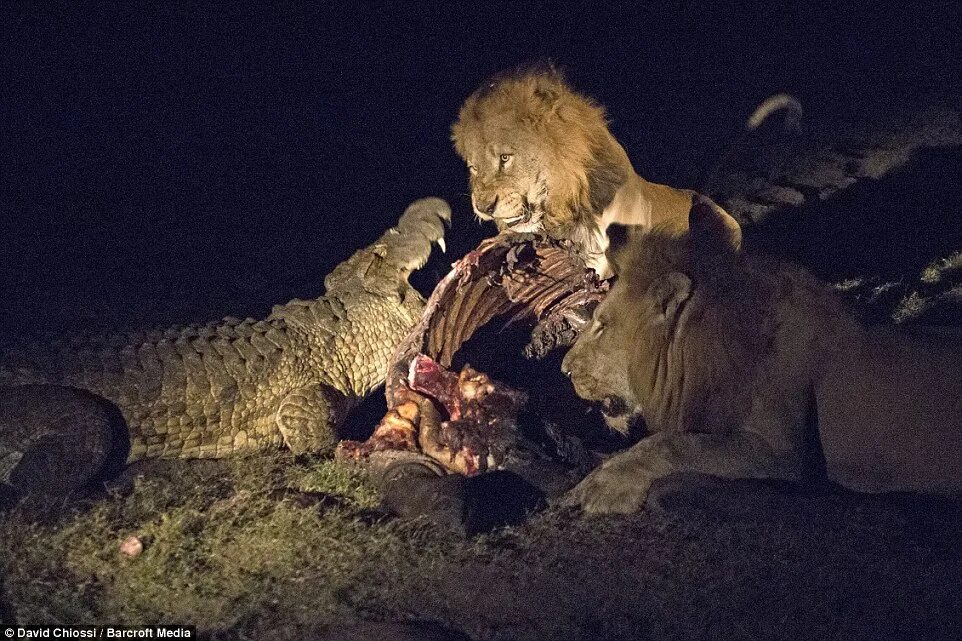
523, 277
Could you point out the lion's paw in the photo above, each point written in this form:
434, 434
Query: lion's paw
611, 489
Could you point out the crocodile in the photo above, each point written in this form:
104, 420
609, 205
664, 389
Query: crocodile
225, 388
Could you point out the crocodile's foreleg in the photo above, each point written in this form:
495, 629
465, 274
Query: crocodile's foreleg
308, 417
345, 338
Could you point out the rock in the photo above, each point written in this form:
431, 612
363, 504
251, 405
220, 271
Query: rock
131, 547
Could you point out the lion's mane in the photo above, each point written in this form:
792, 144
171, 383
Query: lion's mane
581, 162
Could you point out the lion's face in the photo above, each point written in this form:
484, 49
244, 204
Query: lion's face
626, 330
660, 343
508, 177
540, 157
598, 362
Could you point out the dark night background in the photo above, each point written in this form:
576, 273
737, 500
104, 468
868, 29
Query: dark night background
171, 163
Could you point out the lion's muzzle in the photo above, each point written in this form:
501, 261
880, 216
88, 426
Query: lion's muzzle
486, 208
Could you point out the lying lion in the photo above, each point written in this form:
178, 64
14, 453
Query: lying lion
542, 159
730, 360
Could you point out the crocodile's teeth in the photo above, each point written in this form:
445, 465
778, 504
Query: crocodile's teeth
442, 245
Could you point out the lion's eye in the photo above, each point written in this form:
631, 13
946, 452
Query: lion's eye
472, 169
599, 327
505, 158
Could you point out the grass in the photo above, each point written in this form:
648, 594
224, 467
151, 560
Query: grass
226, 551
220, 546
282, 547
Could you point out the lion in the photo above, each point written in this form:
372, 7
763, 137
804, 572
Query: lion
541, 159
741, 366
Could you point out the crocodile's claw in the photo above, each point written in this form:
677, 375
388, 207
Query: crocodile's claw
421, 224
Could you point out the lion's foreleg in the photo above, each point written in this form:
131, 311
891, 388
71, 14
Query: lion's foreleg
621, 484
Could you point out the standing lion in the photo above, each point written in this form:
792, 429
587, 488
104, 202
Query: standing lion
541, 158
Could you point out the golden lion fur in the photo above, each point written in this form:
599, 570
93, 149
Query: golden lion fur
565, 173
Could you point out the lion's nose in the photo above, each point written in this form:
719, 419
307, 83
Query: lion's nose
565, 369
489, 210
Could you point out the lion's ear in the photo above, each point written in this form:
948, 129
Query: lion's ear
714, 232
547, 89
546, 79
670, 292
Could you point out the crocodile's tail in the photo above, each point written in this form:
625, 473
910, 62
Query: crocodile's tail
780, 102
398, 252
836, 161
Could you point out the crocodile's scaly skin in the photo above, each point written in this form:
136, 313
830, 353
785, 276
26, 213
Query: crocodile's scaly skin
236, 386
